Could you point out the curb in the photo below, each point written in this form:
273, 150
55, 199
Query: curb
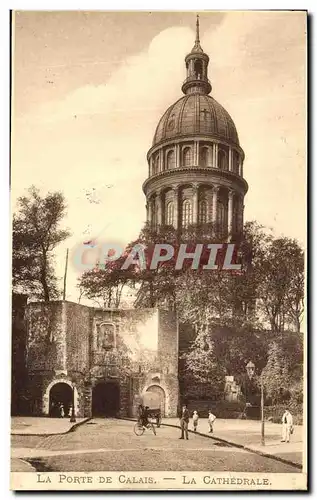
241, 446
236, 445
47, 434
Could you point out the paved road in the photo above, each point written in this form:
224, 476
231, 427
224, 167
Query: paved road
111, 445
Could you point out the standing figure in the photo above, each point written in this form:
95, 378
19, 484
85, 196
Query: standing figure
62, 412
195, 420
70, 410
211, 419
184, 422
287, 426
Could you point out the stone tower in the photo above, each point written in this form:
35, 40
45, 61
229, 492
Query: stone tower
195, 163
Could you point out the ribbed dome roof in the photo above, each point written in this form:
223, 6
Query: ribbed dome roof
196, 114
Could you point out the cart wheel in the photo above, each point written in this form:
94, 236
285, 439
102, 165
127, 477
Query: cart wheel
138, 429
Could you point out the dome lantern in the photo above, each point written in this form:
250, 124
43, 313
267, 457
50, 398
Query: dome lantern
197, 69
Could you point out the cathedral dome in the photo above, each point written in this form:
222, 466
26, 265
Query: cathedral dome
196, 114
195, 163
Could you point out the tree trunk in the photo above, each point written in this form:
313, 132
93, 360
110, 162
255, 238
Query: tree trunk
43, 280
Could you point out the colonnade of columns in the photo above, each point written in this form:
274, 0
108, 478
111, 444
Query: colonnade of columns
195, 146
233, 206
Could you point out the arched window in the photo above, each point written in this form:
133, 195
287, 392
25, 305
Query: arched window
222, 160
186, 213
170, 160
204, 157
198, 68
187, 157
221, 216
235, 161
156, 164
202, 211
169, 220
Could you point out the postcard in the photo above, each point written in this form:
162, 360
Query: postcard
158, 187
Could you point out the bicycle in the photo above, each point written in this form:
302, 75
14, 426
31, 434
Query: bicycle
139, 428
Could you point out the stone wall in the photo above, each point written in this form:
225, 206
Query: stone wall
18, 356
46, 336
78, 333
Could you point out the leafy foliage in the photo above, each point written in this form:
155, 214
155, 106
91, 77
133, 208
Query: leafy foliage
36, 234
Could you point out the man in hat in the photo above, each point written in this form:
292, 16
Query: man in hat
287, 426
184, 422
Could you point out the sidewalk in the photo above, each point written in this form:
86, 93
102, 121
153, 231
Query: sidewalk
247, 434
42, 425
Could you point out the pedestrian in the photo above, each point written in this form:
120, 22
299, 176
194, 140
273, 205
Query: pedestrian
287, 426
195, 420
184, 422
211, 419
62, 412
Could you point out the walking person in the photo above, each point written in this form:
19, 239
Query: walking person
195, 420
287, 426
211, 419
184, 422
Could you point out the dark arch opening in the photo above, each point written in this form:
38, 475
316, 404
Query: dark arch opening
60, 400
198, 68
106, 399
154, 398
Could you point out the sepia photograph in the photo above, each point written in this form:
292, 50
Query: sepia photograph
159, 238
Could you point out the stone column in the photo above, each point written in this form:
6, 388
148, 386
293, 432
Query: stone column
240, 166
159, 207
195, 203
230, 212
175, 201
215, 191
149, 210
215, 151
178, 157
230, 159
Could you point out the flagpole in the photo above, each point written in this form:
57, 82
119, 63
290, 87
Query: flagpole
65, 275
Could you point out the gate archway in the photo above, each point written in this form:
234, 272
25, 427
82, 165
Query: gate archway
154, 397
60, 394
106, 399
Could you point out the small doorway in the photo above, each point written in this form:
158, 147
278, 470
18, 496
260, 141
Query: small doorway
106, 399
60, 400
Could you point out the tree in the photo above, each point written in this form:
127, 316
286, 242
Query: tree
105, 284
276, 378
202, 363
36, 234
283, 373
280, 283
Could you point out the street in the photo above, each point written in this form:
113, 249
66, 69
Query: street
111, 445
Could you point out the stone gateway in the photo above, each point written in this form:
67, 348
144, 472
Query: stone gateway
105, 362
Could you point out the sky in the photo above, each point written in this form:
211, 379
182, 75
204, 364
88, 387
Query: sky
90, 87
